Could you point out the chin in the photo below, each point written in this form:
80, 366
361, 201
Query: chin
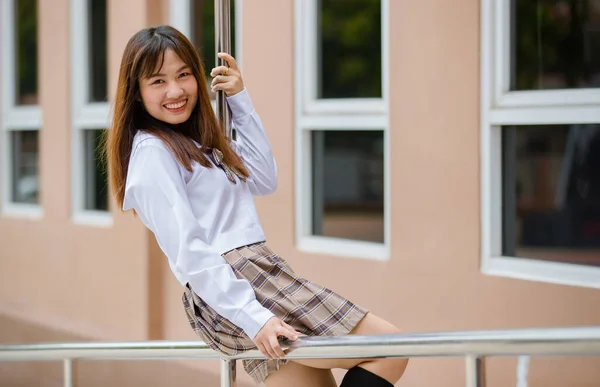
176, 120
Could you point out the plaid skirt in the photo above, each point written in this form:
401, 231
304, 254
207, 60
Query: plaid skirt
311, 309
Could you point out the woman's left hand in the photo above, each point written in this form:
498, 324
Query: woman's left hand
227, 78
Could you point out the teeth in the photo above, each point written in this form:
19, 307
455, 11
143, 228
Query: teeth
176, 105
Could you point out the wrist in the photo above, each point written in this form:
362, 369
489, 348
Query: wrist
252, 318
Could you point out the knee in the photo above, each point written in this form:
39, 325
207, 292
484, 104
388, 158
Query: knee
390, 369
395, 368
399, 367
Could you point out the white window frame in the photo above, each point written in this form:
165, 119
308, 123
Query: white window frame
313, 114
500, 107
13, 117
84, 116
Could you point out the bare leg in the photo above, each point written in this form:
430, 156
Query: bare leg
389, 369
298, 375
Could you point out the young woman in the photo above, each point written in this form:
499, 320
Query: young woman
170, 162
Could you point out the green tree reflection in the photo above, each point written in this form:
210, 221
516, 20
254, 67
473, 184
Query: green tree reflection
26, 51
350, 49
555, 44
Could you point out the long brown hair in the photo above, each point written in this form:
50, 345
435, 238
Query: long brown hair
143, 54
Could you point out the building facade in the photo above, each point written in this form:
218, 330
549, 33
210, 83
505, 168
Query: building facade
438, 165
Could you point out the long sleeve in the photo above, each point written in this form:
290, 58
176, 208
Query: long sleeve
252, 145
156, 189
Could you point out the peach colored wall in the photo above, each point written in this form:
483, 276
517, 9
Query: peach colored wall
53, 271
114, 283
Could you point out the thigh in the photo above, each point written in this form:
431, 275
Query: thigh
298, 375
369, 325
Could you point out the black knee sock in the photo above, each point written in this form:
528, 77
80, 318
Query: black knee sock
360, 377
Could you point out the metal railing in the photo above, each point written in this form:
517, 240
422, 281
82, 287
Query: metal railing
474, 346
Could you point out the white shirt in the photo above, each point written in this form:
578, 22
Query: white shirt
197, 216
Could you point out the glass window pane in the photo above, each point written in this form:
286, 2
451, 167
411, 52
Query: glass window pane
555, 44
203, 32
24, 166
97, 51
551, 198
95, 173
349, 49
348, 193
26, 84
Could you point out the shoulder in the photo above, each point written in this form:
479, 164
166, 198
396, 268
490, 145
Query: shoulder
148, 151
148, 144
144, 139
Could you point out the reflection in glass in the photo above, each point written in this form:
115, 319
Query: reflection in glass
95, 172
551, 198
555, 44
97, 51
24, 166
203, 33
349, 45
26, 54
348, 185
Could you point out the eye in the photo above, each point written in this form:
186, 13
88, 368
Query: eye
184, 74
156, 82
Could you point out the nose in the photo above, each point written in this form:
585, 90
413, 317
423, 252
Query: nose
174, 90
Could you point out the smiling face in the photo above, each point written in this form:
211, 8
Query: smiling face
171, 93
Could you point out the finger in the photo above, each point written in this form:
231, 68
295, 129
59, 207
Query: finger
294, 334
276, 347
224, 86
288, 332
217, 86
263, 350
220, 79
221, 70
229, 59
269, 350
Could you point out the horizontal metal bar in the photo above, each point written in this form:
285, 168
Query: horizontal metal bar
544, 341
112, 354
105, 345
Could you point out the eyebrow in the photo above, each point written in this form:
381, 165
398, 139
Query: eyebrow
163, 75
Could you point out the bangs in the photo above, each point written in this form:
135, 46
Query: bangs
152, 56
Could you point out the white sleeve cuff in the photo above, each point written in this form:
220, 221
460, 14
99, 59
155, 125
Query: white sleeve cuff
240, 104
252, 318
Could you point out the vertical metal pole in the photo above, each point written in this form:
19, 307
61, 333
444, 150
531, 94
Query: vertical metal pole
474, 371
223, 44
228, 373
68, 373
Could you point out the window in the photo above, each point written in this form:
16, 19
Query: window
348, 184
342, 127
90, 111
24, 164
541, 140
20, 112
95, 173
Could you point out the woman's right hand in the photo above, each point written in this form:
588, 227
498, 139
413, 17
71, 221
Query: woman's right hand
267, 338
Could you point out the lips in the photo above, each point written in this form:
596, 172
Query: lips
176, 106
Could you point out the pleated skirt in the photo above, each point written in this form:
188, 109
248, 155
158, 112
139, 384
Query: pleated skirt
312, 310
